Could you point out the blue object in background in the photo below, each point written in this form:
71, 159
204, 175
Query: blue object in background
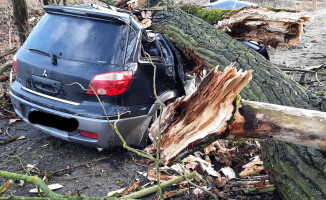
230, 4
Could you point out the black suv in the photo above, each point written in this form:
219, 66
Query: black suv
72, 48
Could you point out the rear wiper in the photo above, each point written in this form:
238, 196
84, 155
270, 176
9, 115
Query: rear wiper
53, 57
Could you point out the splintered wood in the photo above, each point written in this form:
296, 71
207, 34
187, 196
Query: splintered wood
265, 26
190, 119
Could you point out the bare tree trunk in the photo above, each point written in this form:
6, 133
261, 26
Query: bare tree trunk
282, 123
298, 172
45, 2
21, 19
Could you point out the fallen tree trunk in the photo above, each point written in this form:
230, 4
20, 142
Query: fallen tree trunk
209, 114
282, 123
259, 24
286, 164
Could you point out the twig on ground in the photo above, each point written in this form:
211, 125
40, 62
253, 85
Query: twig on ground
21, 163
4, 67
197, 186
316, 76
300, 70
32, 179
11, 138
7, 132
163, 185
158, 152
8, 52
177, 193
6, 186
80, 165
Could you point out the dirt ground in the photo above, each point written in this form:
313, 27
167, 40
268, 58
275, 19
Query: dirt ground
86, 171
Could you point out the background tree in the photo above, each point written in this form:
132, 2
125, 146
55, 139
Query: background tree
21, 19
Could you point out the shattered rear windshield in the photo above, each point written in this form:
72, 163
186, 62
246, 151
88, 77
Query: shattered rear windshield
80, 39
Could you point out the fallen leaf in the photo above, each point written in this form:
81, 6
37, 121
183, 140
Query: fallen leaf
197, 191
143, 173
255, 161
21, 183
163, 178
11, 121
178, 168
192, 165
29, 167
45, 145
209, 149
221, 181
130, 189
228, 172
205, 166
116, 191
148, 161
32, 168
253, 167
51, 187
261, 184
21, 137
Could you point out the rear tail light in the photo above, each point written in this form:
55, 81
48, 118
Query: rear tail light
110, 84
88, 134
14, 64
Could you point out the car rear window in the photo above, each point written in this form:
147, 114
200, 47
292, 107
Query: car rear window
79, 39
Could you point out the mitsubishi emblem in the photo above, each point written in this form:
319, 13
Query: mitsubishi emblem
45, 74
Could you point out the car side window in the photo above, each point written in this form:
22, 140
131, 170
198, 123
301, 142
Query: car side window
156, 50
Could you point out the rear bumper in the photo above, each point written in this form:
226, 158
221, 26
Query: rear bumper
132, 129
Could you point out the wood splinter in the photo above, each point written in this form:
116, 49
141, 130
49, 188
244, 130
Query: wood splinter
187, 121
210, 112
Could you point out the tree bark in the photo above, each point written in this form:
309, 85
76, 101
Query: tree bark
282, 123
21, 19
298, 172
